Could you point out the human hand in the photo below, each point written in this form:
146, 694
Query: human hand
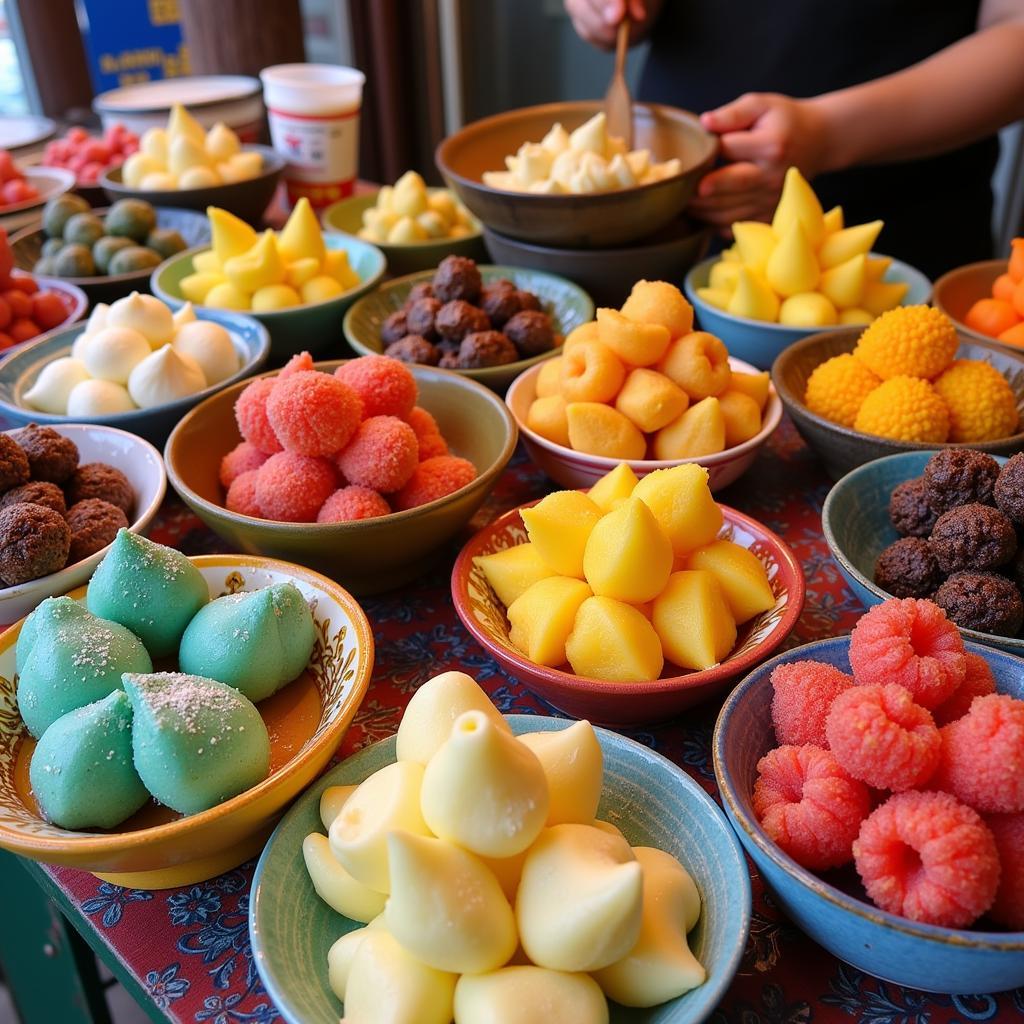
597, 21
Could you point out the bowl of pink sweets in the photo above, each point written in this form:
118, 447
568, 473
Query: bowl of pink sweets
877, 782
362, 469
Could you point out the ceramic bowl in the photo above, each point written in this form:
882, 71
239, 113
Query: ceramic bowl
597, 219
50, 182
315, 327
567, 303
18, 372
759, 342
651, 800
27, 247
833, 910
954, 293
246, 199
346, 216
842, 448
156, 848
141, 463
578, 469
628, 704
370, 555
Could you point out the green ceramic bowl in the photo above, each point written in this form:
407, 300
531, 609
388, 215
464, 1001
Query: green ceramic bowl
315, 328
346, 216
371, 555
567, 303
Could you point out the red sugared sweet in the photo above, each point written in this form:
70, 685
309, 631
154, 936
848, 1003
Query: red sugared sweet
251, 415
382, 456
1008, 832
48, 310
978, 682
386, 386
428, 434
241, 496
880, 736
927, 857
912, 643
292, 487
434, 478
243, 457
982, 760
804, 692
431, 446
313, 413
349, 503
809, 805
298, 362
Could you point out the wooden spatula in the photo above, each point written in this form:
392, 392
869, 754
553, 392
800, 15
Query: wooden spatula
618, 104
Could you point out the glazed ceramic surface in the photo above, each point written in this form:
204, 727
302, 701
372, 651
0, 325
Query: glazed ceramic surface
50, 182
958, 290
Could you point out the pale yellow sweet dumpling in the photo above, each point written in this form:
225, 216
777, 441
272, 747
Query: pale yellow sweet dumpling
331, 802
574, 767
529, 995
335, 886
342, 953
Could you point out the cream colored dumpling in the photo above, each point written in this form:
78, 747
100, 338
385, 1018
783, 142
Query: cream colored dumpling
660, 966
210, 346
154, 144
199, 176
335, 886
508, 871
607, 826
432, 711
591, 136
557, 139
55, 383
164, 376
97, 319
159, 181
99, 398
331, 802
388, 800
221, 142
113, 352
183, 315
580, 899
574, 768
529, 995
342, 953
145, 314
484, 790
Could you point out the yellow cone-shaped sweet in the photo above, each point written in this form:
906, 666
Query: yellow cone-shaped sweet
877, 266
880, 296
484, 790
807, 309
257, 267
230, 235
740, 574
300, 238
613, 641
340, 957
613, 488
542, 618
573, 765
337, 266
195, 287
184, 154
731, 255
301, 271
757, 385
513, 571
182, 123
207, 263
446, 908
843, 284
792, 267
699, 431
855, 316
833, 220
693, 620
559, 526
753, 298
331, 802
275, 296
798, 203
335, 886
682, 503
223, 295
717, 297
850, 242
650, 400
754, 242
628, 555
723, 275
526, 994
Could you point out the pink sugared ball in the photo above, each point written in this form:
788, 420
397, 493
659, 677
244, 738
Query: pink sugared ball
926, 856
912, 643
1008, 832
809, 805
428, 434
313, 413
422, 421
804, 692
386, 386
349, 503
241, 496
382, 455
298, 363
435, 478
291, 488
251, 414
978, 682
239, 460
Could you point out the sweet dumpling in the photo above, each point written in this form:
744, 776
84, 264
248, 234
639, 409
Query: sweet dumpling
527, 995
574, 767
331, 802
143, 313
335, 886
342, 953
196, 742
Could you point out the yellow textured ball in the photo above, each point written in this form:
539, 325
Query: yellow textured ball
982, 405
837, 387
904, 409
913, 341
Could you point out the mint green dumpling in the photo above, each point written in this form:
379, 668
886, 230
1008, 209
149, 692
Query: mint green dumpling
255, 642
82, 771
53, 609
195, 742
151, 589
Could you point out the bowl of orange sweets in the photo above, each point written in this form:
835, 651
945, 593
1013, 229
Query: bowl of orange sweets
632, 601
639, 385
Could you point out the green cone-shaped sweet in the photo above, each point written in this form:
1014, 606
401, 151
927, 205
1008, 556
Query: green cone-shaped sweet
255, 642
53, 609
151, 589
196, 742
82, 772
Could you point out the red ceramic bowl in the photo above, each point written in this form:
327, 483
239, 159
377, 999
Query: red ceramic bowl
628, 704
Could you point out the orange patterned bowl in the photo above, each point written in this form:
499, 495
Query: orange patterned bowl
157, 848
628, 704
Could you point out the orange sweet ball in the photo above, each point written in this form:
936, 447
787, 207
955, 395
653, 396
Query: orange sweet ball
591, 372
313, 413
386, 386
382, 455
1014, 335
348, 504
1018, 298
910, 341
1002, 288
433, 479
428, 434
991, 317
658, 302
291, 487
241, 496
251, 414
299, 361
242, 458
1015, 268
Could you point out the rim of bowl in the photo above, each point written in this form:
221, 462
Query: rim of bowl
772, 417
485, 475
996, 941
102, 103
65, 182
951, 275
691, 680
115, 842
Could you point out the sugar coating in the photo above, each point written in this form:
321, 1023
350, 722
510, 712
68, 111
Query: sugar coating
350, 503
428, 434
245, 456
912, 643
978, 682
1008, 832
809, 805
804, 692
880, 736
386, 386
431, 446
928, 857
241, 496
251, 416
382, 455
292, 487
298, 362
435, 478
313, 413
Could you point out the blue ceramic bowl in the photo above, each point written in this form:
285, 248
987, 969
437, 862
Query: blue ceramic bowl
652, 801
316, 327
949, 960
19, 370
759, 342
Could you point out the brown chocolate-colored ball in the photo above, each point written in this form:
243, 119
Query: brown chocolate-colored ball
457, 277
423, 290
94, 524
394, 327
984, 601
959, 476
51, 456
909, 511
974, 536
527, 300
14, 467
98, 480
414, 348
500, 301
450, 361
1009, 488
419, 318
36, 492
34, 542
531, 332
907, 568
458, 318
486, 348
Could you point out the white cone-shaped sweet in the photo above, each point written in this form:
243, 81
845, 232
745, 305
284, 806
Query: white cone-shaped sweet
145, 314
164, 376
580, 899
484, 790
335, 886
342, 953
54, 384
331, 802
528, 995
221, 142
99, 398
446, 908
210, 346
574, 768
113, 352
97, 318
183, 315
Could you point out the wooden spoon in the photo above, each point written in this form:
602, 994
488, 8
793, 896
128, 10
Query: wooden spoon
618, 105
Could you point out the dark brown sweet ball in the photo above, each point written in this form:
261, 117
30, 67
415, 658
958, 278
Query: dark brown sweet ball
14, 467
458, 318
486, 348
959, 476
51, 456
984, 601
909, 511
414, 348
974, 537
419, 318
36, 492
527, 300
1009, 488
500, 301
531, 332
94, 524
449, 361
34, 542
394, 327
423, 290
457, 277
907, 568
98, 480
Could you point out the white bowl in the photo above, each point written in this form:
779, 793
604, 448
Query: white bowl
141, 464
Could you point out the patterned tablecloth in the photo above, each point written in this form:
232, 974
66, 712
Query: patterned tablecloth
189, 948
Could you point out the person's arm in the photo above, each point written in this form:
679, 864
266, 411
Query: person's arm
597, 21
